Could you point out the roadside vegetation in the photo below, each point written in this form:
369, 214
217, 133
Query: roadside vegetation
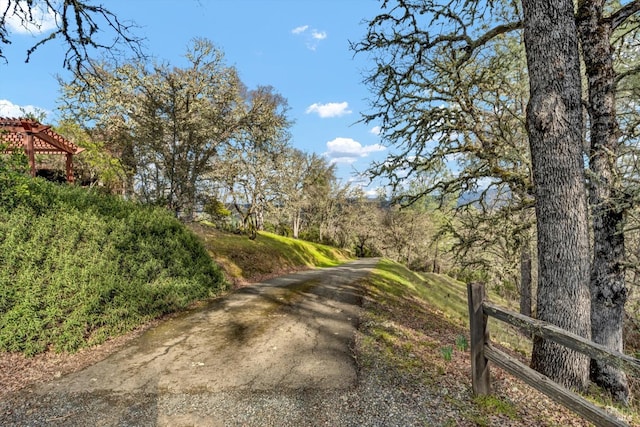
79, 267
415, 327
82, 268
250, 260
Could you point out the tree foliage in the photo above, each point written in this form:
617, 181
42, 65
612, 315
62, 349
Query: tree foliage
304, 184
251, 163
441, 103
176, 129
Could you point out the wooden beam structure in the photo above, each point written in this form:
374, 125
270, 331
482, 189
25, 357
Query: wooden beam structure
35, 138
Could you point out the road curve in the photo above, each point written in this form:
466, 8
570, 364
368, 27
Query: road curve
292, 334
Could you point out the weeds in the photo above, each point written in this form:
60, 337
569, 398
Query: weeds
447, 352
495, 405
461, 343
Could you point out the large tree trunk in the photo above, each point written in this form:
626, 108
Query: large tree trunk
608, 289
554, 123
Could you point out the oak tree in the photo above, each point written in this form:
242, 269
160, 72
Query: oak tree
421, 52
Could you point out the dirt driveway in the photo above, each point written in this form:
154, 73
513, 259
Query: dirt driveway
260, 353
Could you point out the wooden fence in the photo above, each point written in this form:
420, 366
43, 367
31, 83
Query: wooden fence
482, 352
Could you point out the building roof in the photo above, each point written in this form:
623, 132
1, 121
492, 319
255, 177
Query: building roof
13, 132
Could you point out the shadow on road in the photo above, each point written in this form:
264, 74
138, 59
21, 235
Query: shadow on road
292, 334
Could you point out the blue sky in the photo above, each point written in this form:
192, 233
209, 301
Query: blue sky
300, 47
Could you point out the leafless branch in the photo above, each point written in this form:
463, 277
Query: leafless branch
622, 14
78, 25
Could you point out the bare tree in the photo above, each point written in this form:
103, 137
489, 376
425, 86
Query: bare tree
83, 26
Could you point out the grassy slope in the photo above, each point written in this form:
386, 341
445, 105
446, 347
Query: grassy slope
417, 324
245, 260
79, 267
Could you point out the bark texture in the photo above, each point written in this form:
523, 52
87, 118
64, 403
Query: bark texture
525, 279
608, 288
554, 123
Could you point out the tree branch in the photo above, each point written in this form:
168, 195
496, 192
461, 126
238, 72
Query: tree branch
77, 23
488, 36
624, 13
628, 73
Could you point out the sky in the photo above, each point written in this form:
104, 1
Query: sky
300, 47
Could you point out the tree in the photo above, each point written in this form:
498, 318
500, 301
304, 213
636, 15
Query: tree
455, 116
304, 180
416, 77
96, 166
554, 123
403, 231
492, 241
78, 23
167, 125
361, 221
607, 196
252, 161
101, 103
327, 212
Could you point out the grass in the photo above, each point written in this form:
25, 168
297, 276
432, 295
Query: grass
245, 260
416, 325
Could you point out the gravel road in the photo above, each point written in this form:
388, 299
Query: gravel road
278, 353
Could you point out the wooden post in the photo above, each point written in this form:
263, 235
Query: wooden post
69, 165
479, 329
31, 153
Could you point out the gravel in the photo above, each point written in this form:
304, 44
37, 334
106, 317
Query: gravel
375, 401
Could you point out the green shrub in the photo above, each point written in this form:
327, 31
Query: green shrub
79, 267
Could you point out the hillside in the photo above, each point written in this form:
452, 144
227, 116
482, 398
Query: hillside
80, 267
102, 259
416, 329
244, 260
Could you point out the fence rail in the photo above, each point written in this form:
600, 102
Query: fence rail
482, 352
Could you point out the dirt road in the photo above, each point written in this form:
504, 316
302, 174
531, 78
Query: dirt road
259, 354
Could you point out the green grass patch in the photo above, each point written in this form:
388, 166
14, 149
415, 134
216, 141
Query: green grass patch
495, 405
79, 267
416, 325
246, 260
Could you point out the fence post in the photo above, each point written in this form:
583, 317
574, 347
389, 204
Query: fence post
479, 331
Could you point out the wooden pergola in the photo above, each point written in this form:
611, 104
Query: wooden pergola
36, 138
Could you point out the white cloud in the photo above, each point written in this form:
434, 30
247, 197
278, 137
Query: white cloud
312, 37
372, 193
347, 150
318, 35
299, 30
9, 109
43, 18
332, 109
376, 130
